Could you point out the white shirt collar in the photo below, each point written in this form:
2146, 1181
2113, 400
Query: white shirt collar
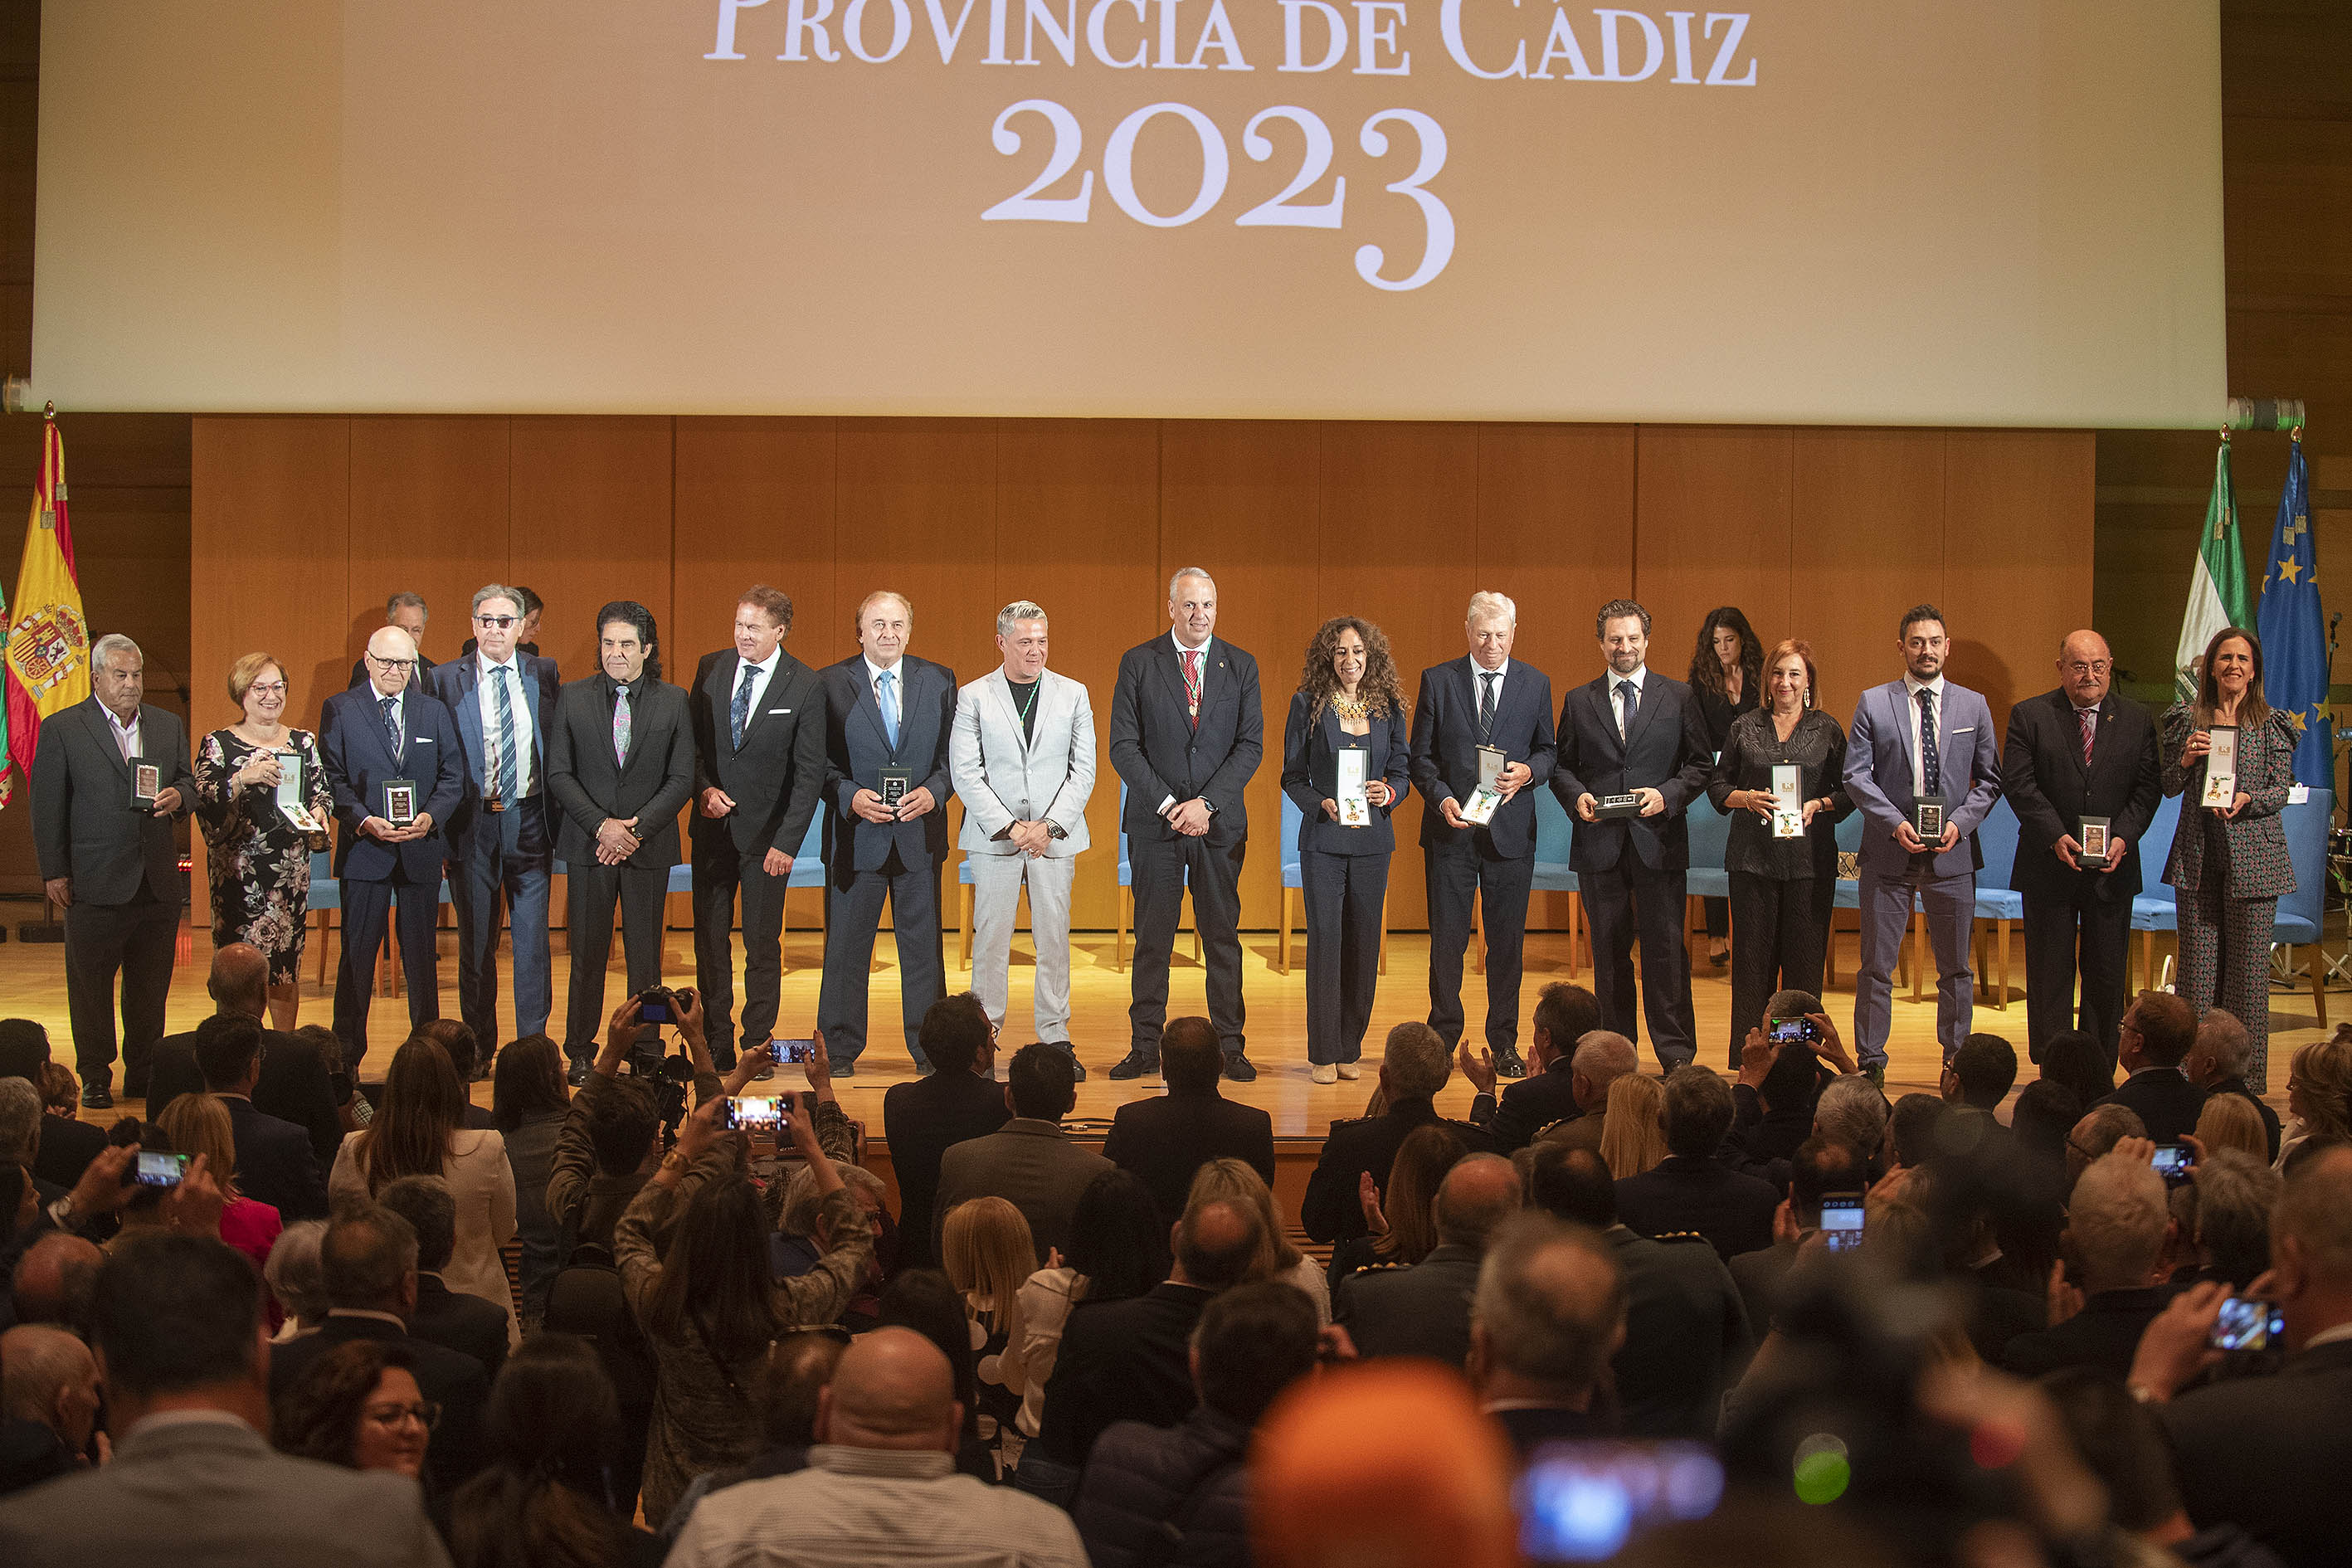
1478, 672
120, 728
1913, 685
486, 664
1178, 642
1640, 677
377, 693
875, 672
766, 666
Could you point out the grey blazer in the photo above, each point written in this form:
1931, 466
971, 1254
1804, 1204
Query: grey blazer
1003, 776
2260, 867
212, 1494
1031, 1165
1878, 773
84, 826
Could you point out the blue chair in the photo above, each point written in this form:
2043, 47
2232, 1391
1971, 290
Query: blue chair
1127, 892
1996, 836
327, 893
2301, 912
1552, 874
2154, 909
1710, 837
1291, 882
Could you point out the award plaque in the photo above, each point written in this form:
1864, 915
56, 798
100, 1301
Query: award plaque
2221, 768
400, 802
1928, 821
1616, 807
289, 794
2093, 837
893, 785
146, 783
1489, 794
1788, 801
1355, 809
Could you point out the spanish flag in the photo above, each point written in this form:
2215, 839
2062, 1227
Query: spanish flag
48, 641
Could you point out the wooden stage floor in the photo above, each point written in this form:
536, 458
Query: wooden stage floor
32, 984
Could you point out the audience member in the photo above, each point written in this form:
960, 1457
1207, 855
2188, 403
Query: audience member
65, 1148
2154, 1039
880, 1488
1400, 1216
2081, 1063
368, 1258
2116, 1229
1425, 1309
1913, 1129
2124, 1446
200, 1124
359, 1406
2100, 1130
2234, 1195
2319, 1094
1855, 1111
1118, 1250
609, 1142
55, 1279
1778, 1087
1029, 1160
466, 1054
1603, 1057
796, 1373
48, 1404
988, 1256
1686, 1332
547, 1499
1818, 1168
1981, 1072
1277, 1258
296, 1082
2045, 1113
1167, 1137
20, 1128
2217, 1064
1692, 1189
529, 1105
1633, 1129
60, 1091
177, 1328
2230, 1122
1180, 1494
956, 1100
926, 1301
295, 1279
275, 1162
800, 1240
1564, 1015
1414, 1065
1550, 1311
467, 1324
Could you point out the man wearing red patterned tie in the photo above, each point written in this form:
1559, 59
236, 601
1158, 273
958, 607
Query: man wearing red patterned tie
1187, 730
2075, 753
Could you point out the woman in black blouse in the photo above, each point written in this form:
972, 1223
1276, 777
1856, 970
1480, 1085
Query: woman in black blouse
1780, 887
1726, 675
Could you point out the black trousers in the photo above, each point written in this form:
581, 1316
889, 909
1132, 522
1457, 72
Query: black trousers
135, 941
1779, 940
1627, 899
1456, 874
853, 914
1718, 916
719, 870
1162, 868
367, 916
591, 891
1343, 895
2064, 940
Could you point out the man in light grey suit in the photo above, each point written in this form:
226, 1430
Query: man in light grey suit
1919, 739
176, 1321
1023, 761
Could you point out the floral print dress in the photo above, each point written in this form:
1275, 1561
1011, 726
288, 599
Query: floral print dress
259, 863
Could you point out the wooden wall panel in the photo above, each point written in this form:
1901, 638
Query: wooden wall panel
429, 515
2017, 555
1716, 514
917, 515
754, 504
592, 523
1868, 544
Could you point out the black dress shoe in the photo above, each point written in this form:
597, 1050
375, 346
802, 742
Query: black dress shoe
1077, 1067
1135, 1064
1238, 1067
577, 1074
95, 1095
1510, 1064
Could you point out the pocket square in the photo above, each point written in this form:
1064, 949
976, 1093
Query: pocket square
772, 712
420, 740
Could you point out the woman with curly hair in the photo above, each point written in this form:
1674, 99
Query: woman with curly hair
358, 1407
1726, 675
1347, 702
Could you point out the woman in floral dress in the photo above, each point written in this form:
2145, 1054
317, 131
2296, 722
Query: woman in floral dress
259, 860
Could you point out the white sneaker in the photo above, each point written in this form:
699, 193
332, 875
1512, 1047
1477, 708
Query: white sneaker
1351, 1071
1324, 1072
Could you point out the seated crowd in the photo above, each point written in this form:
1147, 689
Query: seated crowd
2080, 1321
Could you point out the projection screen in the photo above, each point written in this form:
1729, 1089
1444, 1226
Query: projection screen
2001, 212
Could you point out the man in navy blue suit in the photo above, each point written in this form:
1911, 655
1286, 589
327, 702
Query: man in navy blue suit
1481, 700
887, 720
376, 861
502, 839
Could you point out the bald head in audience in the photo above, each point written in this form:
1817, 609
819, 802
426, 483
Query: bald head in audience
1548, 1314
1478, 1193
1216, 1244
55, 1279
240, 980
48, 1377
891, 1389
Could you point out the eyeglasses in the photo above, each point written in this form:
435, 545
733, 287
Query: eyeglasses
500, 623
387, 665
424, 1413
2096, 666
266, 689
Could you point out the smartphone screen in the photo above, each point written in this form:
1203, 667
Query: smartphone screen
1789, 1031
1581, 1502
2247, 1325
2174, 1162
763, 1111
1842, 1218
160, 1170
790, 1053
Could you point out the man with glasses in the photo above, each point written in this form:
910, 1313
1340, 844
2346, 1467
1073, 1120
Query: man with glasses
501, 845
2078, 754
371, 736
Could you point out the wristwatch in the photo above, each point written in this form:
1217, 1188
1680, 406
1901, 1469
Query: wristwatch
61, 1212
1054, 830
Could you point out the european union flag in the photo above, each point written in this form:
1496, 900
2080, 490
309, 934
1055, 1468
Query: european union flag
2294, 632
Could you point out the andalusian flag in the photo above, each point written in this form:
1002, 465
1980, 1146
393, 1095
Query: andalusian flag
48, 641
2217, 583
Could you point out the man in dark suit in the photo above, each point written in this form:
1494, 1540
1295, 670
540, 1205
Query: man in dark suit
527, 634
1692, 1189
503, 837
1029, 1161
406, 611
296, 1084
275, 1164
111, 862
1164, 1141
368, 1260
2117, 1225
67, 1145
467, 1324
375, 861
1564, 1015
620, 763
888, 718
1634, 732
1187, 730
759, 768
1479, 702
1132, 1360
1423, 1310
1414, 1065
1818, 1167
2154, 1038
1550, 1309
959, 1100
2079, 751
2217, 1064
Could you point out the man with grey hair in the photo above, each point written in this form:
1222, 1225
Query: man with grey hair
1187, 731
2217, 1064
406, 611
1414, 1065
1853, 1111
2117, 1222
1637, 738
110, 778
1548, 1314
1603, 1057
1023, 761
1424, 1309
1480, 706
20, 1122
48, 1404
502, 840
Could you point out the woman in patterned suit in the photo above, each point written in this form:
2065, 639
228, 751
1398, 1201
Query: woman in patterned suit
2229, 864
